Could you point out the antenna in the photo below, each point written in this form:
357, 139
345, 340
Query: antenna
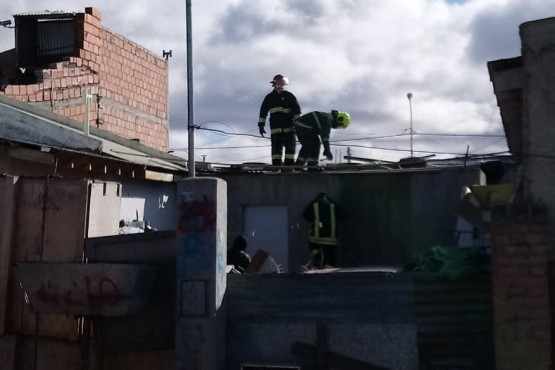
166, 54
409, 95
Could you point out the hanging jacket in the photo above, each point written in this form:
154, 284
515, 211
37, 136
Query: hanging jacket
283, 109
323, 214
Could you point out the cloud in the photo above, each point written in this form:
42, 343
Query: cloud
359, 56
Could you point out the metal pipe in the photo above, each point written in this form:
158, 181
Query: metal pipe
190, 124
86, 122
409, 95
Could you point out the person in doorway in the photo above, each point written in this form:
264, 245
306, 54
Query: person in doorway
283, 108
237, 256
313, 127
323, 214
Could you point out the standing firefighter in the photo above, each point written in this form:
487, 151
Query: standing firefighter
313, 126
323, 214
283, 108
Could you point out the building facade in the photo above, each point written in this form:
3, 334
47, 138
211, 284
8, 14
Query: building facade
70, 64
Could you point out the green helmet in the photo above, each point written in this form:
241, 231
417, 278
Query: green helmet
343, 119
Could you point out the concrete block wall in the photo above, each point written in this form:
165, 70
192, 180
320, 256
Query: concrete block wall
520, 272
128, 84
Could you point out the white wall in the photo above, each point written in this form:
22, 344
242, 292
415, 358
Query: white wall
155, 201
104, 211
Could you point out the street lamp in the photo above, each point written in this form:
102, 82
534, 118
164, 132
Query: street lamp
409, 95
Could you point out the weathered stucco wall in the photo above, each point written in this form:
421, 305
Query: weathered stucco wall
538, 125
392, 215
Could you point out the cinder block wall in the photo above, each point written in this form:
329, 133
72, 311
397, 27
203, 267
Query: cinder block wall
521, 293
128, 84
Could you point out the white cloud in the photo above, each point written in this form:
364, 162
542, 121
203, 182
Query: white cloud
358, 56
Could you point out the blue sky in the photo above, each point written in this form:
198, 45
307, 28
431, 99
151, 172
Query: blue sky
359, 56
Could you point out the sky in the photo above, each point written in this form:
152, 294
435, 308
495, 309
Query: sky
362, 57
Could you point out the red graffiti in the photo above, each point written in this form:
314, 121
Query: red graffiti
91, 294
44, 295
197, 216
108, 293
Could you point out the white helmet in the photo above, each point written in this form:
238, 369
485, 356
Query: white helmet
279, 80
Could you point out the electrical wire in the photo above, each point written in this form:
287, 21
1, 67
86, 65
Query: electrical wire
340, 141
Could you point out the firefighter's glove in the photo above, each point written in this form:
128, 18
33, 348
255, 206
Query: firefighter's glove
262, 131
328, 155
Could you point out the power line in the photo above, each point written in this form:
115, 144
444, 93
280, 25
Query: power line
223, 147
338, 142
228, 133
359, 138
464, 135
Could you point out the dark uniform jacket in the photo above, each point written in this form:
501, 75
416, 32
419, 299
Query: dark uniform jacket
323, 214
315, 123
283, 109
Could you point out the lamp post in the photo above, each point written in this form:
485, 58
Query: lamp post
190, 125
409, 95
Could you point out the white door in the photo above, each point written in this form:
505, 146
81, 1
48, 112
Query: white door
265, 227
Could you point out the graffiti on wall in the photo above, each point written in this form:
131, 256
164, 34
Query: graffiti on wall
89, 292
197, 220
196, 215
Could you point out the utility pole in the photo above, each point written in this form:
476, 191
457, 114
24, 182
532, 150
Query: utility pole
409, 95
190, 124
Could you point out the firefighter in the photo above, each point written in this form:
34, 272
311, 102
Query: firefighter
323, 214
312, 127
283, 108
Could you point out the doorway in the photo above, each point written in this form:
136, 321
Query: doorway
265, 227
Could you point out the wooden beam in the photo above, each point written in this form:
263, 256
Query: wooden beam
32, 155
158, 176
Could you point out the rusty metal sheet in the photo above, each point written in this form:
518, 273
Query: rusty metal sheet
86, 289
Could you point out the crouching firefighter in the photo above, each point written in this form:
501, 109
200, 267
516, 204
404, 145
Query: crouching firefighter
312, 127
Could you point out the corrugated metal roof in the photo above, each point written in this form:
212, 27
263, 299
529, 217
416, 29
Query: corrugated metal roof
135, 156
16, 112
46, 13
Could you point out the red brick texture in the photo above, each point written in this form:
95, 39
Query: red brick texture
521, 291
129, 85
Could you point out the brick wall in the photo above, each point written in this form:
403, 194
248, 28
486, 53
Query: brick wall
522, 307
128, 84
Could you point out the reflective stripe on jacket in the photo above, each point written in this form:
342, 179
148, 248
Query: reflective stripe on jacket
283, 109
324, 230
